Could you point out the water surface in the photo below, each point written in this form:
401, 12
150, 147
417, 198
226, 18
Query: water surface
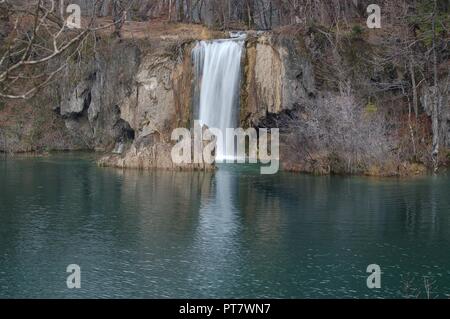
229, 234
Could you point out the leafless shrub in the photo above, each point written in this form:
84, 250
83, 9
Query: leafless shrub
340, 133
408, 287
425, 290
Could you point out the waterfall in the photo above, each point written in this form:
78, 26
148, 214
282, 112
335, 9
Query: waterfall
218, 72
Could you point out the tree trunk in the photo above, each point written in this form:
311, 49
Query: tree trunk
435, 109
119, 16
414, 86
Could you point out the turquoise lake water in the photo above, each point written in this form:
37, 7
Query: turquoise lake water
229, 234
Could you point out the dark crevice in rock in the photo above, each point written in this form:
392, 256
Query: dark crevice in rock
124, 132
280, 120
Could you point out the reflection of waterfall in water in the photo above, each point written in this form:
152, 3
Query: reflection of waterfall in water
217, 70
217, 235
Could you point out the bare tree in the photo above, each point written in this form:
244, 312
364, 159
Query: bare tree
39, 36
335, 131
39, 45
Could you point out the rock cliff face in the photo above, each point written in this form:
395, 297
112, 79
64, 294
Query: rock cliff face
129, 103
277, 77
91, 95
160, 101
127, 99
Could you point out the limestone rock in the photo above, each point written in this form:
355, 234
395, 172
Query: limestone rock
77, 101
277, 77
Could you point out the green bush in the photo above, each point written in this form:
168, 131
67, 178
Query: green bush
357, 31
370, 108
423, 22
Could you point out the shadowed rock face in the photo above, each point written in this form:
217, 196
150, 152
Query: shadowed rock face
91, 95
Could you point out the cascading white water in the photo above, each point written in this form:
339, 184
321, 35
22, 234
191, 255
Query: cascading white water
218, 72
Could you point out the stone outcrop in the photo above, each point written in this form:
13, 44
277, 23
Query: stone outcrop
159, 102
128, 100
277, 77
90, 96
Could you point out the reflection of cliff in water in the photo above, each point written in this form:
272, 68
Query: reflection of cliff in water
164, 201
